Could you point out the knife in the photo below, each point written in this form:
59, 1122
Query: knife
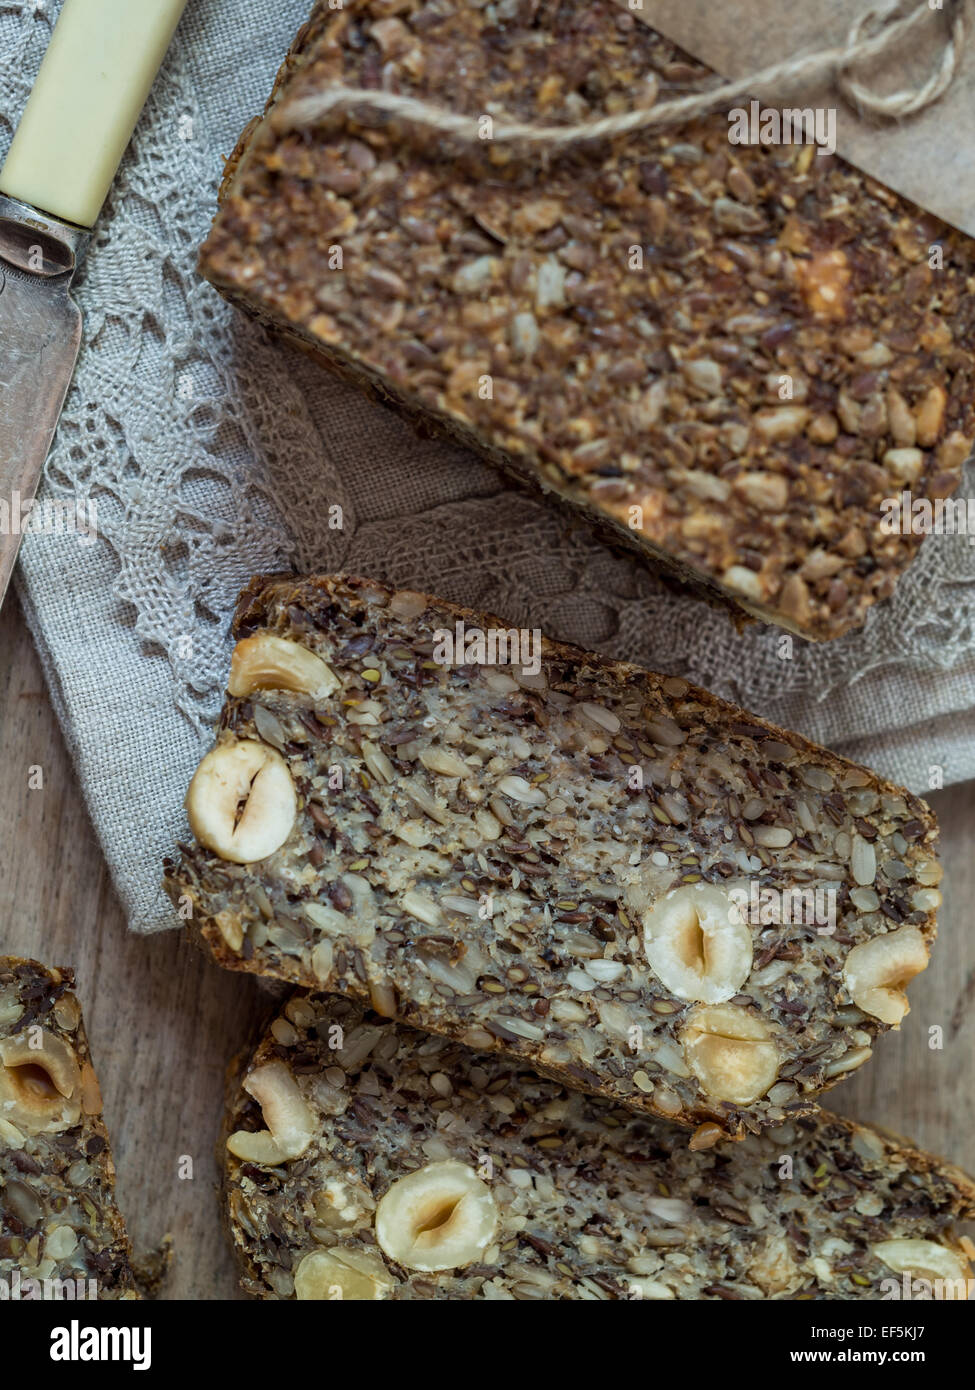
100, 64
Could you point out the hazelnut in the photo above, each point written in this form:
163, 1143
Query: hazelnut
241, 802
265, 662
40, 1087
438, 1217
698, 944
342, 1273
876, 972
290, 1122
925, 1259
730, 1052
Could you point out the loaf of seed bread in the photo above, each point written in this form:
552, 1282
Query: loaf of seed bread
61, 1235
364, 1160
727, 355
572, 860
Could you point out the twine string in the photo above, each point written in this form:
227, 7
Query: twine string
905, 103
874, 35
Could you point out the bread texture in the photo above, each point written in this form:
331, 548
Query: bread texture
641, 890
418, 1153
61, 1234
736, 358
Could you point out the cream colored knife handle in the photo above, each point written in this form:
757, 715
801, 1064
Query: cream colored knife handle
93, 83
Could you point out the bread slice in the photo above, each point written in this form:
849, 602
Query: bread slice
61, 1235
735, 358
400, 1165
573, 862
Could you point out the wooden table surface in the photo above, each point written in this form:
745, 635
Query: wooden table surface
164, 1022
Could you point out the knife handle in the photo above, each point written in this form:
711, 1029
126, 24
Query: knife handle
102, 59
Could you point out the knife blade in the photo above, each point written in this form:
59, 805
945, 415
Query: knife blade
40, 335
100, 64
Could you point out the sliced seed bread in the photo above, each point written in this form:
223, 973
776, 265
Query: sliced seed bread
643, 890
363, 1160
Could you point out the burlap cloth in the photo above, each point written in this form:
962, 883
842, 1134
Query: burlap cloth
211, 453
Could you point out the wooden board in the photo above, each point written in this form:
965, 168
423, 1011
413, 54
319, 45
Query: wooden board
164, 1022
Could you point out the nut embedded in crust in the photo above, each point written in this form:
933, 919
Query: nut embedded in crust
877, 971
40, 1087
242, 803
730, 1052
290, 1124
266, 662
343, 1274
698, 944
439, 1217
924, 1259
